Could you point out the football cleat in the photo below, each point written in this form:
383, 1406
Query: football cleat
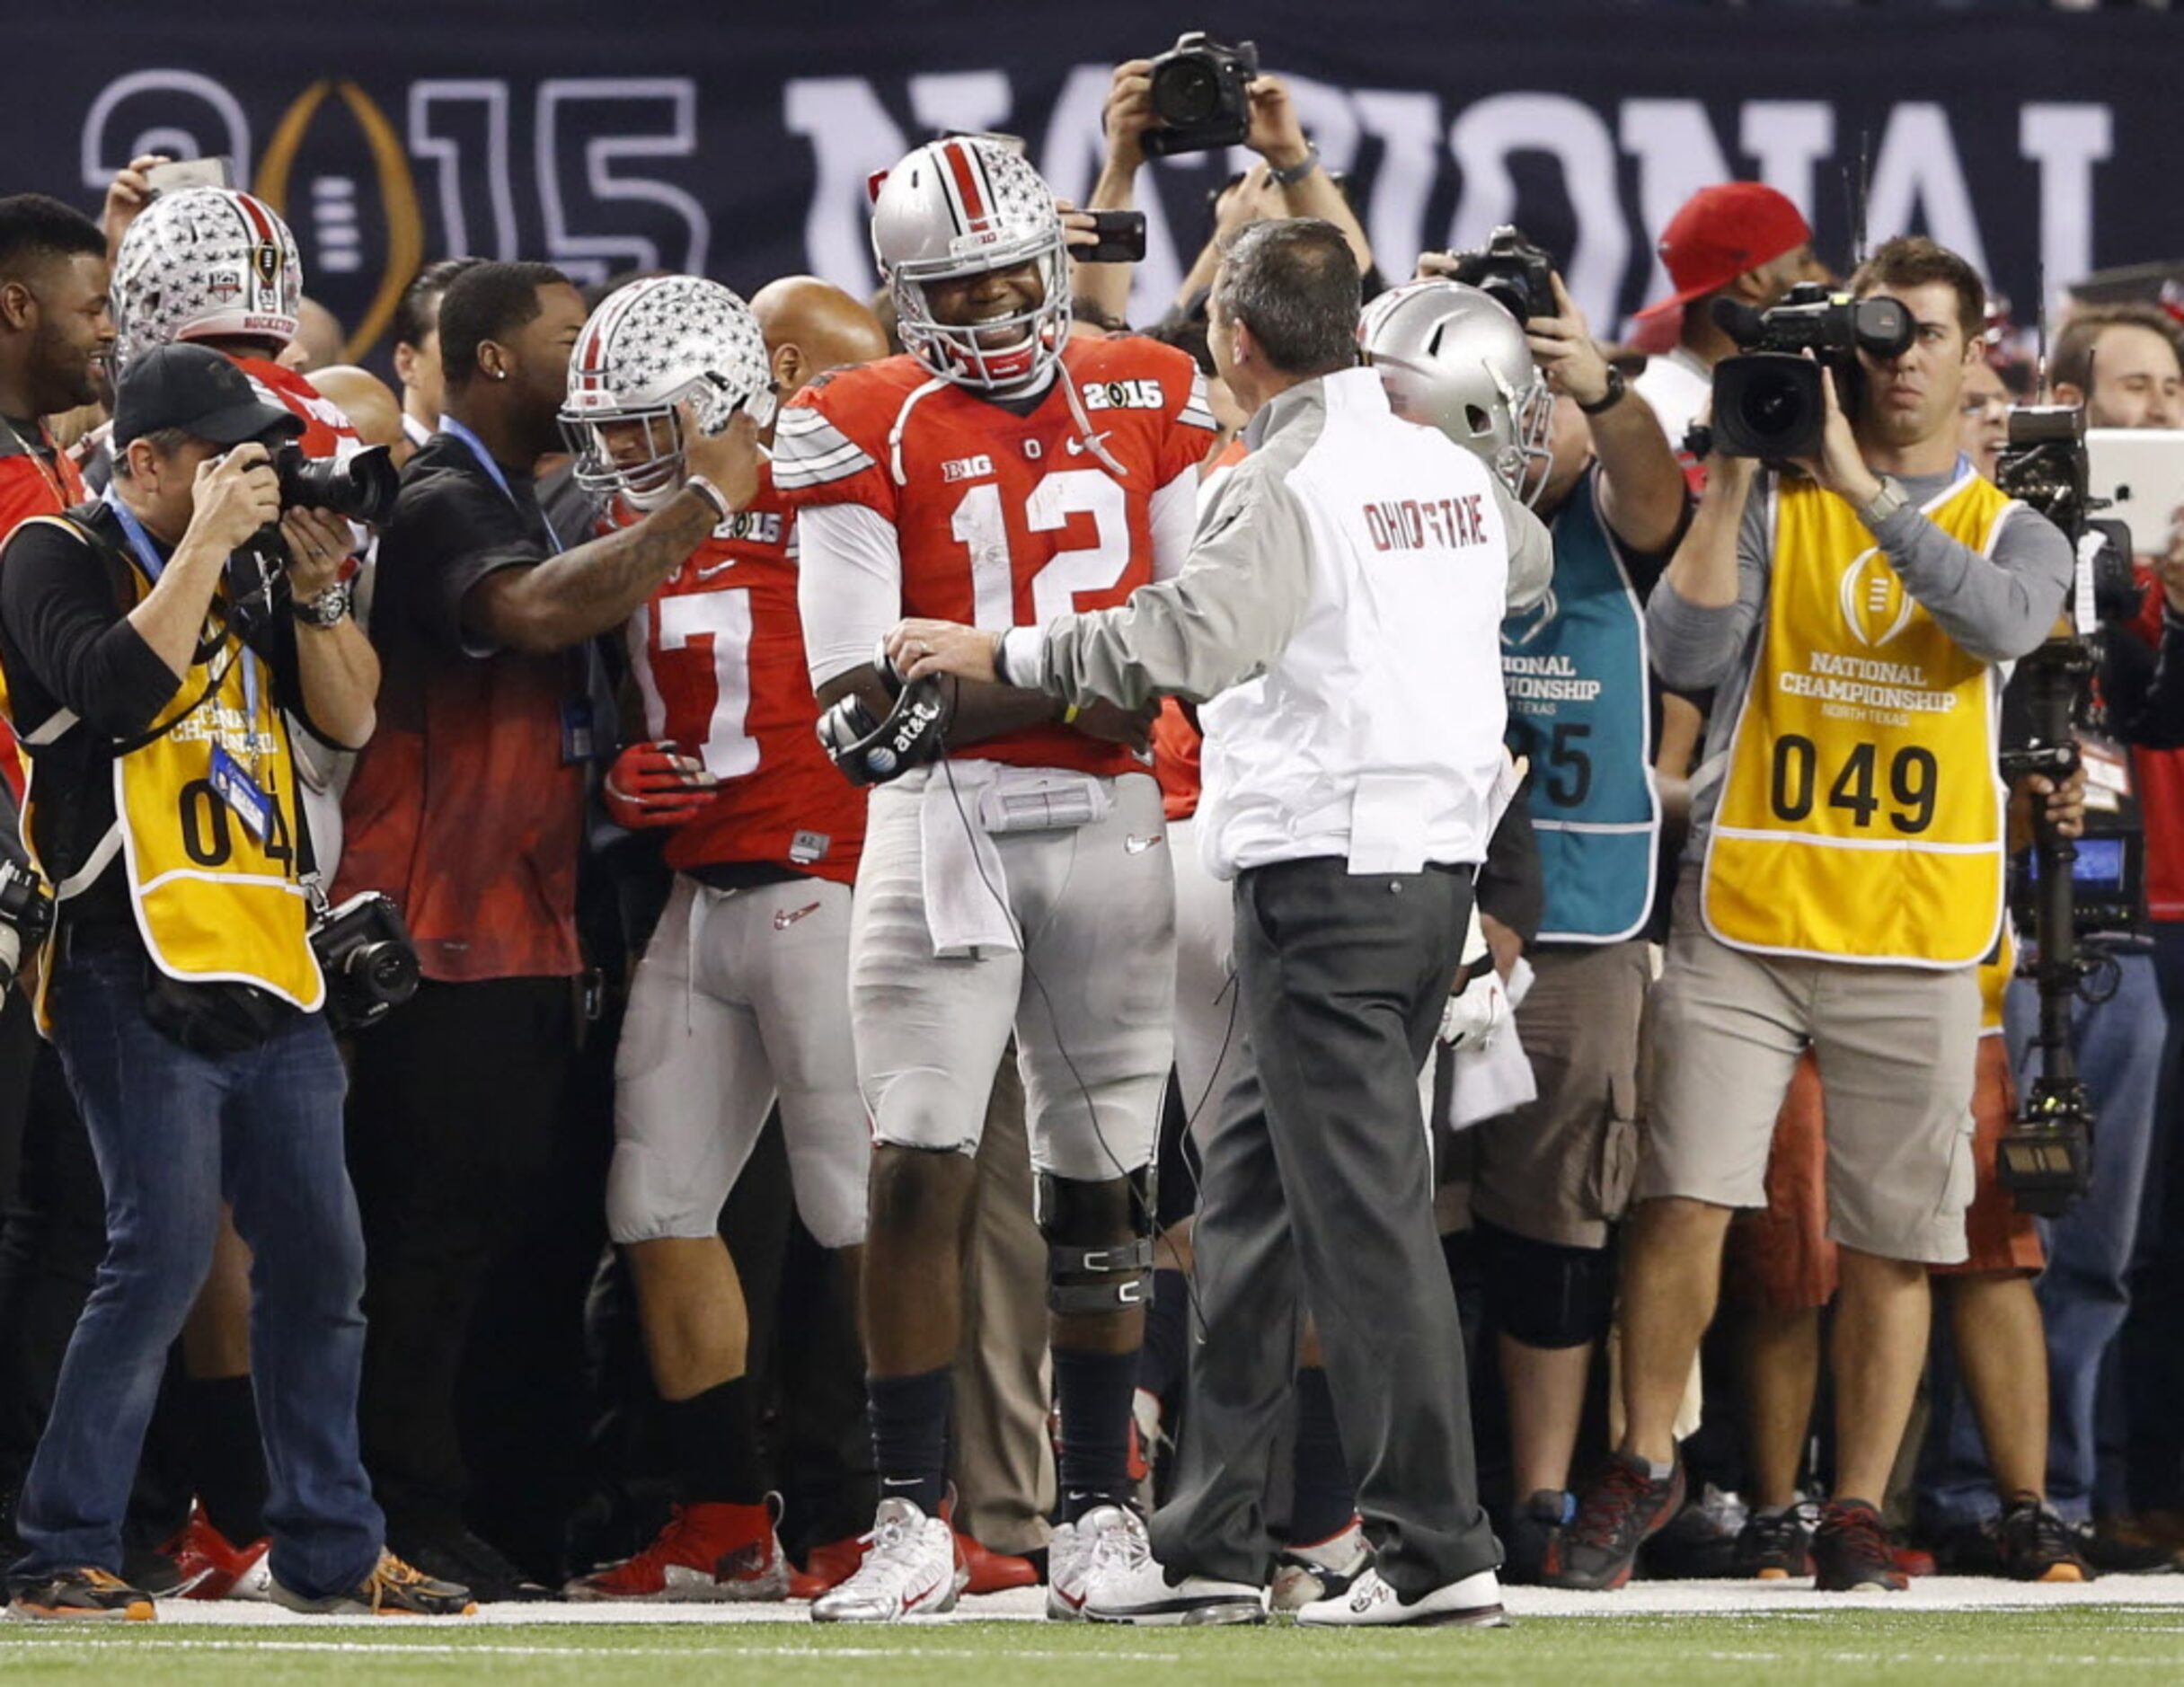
1102, 1539
915, 1568
707, 1554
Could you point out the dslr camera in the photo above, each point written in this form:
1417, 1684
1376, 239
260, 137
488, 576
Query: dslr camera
26, 916
1513, 272
1201, 95
2043, 463
360, 487
364, 949
1768, 400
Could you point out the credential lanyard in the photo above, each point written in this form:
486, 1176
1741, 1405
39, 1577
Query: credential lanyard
147, 559
476, 447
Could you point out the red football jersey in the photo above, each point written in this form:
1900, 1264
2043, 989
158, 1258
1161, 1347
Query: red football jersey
719, 655
30, 486
1005, 520
327, 432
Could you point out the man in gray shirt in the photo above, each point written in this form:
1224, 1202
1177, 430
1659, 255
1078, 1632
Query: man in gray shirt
1842, 882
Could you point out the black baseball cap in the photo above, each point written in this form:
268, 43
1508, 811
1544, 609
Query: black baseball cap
195, 389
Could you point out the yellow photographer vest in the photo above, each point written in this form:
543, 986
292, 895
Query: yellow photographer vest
1862, 814
214, 903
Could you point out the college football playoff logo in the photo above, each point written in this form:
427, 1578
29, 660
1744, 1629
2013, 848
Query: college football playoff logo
1875, 605
1526, 624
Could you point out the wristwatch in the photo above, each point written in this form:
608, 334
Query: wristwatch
1884, 503
327, 609
1289, 175
1616, 387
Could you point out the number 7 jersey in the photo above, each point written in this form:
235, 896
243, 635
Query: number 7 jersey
719, 656
1006, 520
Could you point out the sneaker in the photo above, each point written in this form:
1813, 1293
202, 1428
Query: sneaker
464, 1560
1319, 1569
1473, 1603
827, 1565
1773, 1546
393, 1589
2038, 1546
1699, 1543
1616, 1516
914, 1569
1531, 1530
1082, 1552
79, 1595
2114, 1551
1852, 1552
212, 1567
1131, 1586
987, 1571
708, 1553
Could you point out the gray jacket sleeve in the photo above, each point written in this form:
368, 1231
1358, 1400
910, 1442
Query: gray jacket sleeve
1243, 590
1996, 608
1696, 646
1531, 548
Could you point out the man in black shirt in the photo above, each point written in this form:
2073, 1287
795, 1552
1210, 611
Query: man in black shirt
150, 665
468, 810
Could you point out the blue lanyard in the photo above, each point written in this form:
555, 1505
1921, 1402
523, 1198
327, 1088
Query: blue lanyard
149, 559
476, 446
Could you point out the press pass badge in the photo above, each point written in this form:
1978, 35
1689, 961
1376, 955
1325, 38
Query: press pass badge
577, 733
236, 788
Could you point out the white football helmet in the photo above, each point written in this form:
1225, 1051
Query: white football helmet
649, 346
205, 263
959, 208
1453, 359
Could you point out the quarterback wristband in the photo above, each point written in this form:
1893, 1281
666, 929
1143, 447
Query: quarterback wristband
1883, 504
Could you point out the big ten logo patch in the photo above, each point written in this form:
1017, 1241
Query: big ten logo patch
1875, 605
966, 468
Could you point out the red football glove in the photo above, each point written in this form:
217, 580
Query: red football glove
657, 784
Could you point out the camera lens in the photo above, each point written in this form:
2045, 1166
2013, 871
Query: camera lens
1771, 409
1186, 93
387, 971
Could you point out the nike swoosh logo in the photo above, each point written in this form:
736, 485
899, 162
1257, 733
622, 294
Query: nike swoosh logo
783, 918
1139, 845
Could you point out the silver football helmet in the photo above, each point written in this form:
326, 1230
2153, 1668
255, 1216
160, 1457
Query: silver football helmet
1453, 359
205, 263
650, 347
959, 208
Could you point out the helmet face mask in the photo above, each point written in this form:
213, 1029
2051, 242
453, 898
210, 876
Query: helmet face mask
1453, 359
652, 348
963, 208
205, 263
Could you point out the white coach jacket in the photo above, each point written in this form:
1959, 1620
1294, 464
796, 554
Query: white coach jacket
1338, 622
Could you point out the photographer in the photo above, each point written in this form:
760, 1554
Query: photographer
182, 991
1843, 879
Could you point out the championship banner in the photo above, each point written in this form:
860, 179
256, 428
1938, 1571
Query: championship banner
736, 143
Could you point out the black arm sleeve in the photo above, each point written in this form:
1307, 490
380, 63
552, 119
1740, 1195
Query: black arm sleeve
56, 599
1511, 887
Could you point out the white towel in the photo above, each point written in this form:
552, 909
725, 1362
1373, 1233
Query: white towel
1494, 1076
966, 888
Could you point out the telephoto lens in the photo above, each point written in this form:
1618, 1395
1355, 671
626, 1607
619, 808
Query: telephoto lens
360, 487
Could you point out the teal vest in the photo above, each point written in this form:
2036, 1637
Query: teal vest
1580, 707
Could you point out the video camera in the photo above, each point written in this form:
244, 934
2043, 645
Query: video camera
26, 916
1513, 272
2066, 890
1201, 95
1767, 399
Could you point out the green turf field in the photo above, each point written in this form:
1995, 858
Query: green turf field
1834, 1647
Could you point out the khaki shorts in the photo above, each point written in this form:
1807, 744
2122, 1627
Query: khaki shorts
1897, 1048
1559, 1170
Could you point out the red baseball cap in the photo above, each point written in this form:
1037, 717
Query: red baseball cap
1719, 233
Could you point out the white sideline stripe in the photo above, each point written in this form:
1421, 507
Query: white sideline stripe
140, 1639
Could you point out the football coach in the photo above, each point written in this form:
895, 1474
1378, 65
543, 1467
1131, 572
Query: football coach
1337, 621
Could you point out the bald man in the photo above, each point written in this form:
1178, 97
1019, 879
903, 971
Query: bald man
370, 405
811, 326
320, 340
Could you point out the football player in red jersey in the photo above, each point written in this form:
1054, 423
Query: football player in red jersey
1002, 474
743, 996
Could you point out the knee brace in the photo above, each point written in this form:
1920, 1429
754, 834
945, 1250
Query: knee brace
1088, 1271
1545, 1294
